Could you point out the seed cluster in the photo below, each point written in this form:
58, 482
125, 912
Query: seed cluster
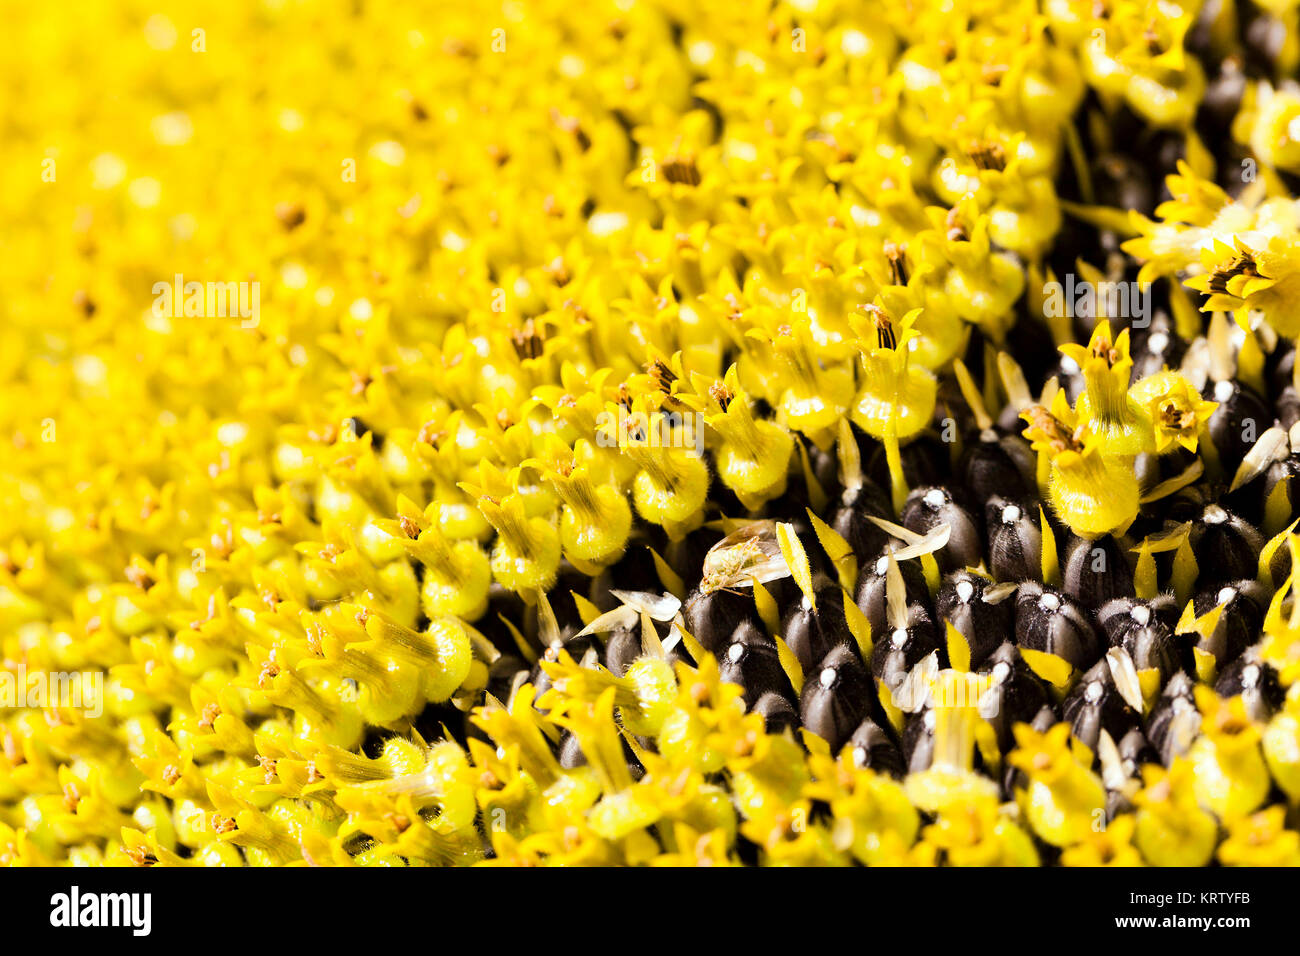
653, 432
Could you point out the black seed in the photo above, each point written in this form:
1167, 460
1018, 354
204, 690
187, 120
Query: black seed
1226, 547
871, 592
712, 618
961, 602
570, 752
897, 651
1256, 682
1052, 622
1017, 694
836, 696
1135, 750
1238, 421
1015, 540
918, 741
1145, 631
1096, 571
1095, 704
812, 634
501, 676
874, 748
1156, 348
778, 713
852, 519
1174, 721
1240, 622
754, 664
927, 508
622, 648
995, 463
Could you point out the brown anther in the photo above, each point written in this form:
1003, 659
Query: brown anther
360, 381
290, 214
7, 563
313, 775
897, 259
362, 616
571, 124
222, 824
528, 340
210, 714
557, 271
489, 781
430, 434
409, 527
268, 765
330, 552
661, 375
71, 797
401, 822
1105, 350
885, 337
721, 394
953, 221
565, 467
268, 517
1042, 761
82, 300
140, 856
270, 670
1176, 418
992, 73
270, 598
699, 692
1240, 265
498, 154
1053, 431
139, 577
987, 155
171, 775
567, 401
222, 545
682, 170
93, 624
